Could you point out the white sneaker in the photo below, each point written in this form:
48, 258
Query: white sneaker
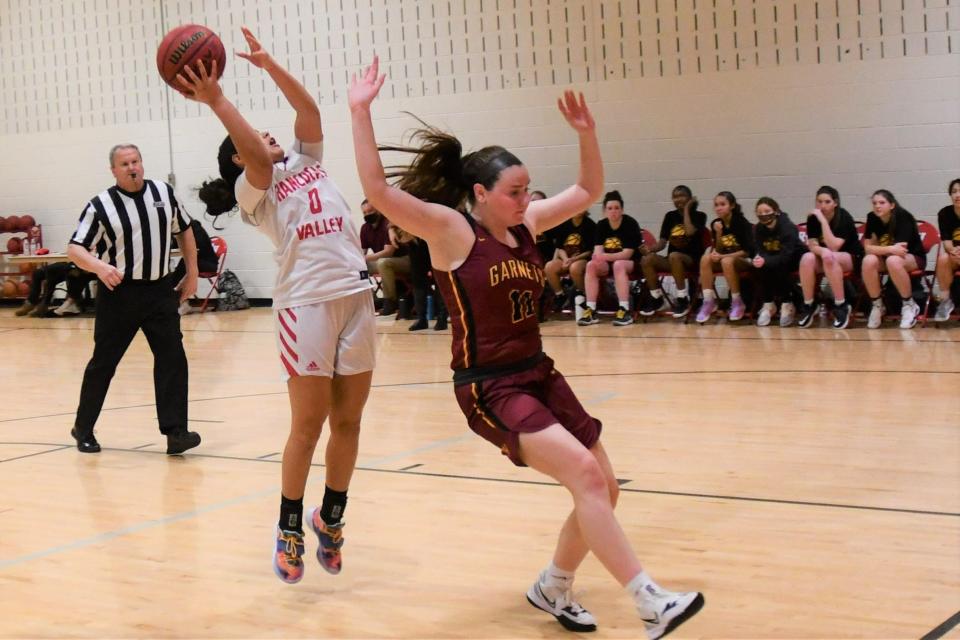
69, 307
561, 605
664, 611
788, 311
876, 315
185, 308
944, 309
766, 314
909, 313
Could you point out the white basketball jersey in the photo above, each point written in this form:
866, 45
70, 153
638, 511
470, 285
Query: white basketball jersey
316, 246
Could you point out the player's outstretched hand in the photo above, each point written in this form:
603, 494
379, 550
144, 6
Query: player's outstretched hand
576, 112
200, 86
365, 88
258, 57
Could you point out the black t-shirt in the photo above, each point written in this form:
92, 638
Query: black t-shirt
672, 230
949, 223
842, 226
626, 236
736, 237
545, 246
902, 227
574, 239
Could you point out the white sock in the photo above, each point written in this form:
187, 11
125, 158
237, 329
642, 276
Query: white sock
736, 296
642, 587
840, 301
592, 306
625, 304
878, 302
809, 302
657, 294
554, 578
709, 294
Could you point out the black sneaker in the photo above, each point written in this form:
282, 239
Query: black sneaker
841, 316
559, 301
806, 315
85, 443
681, 307
180, 441
650, 306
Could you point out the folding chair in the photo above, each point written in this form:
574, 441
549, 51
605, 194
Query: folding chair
213, 277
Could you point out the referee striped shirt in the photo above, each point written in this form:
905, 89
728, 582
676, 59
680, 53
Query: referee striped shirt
136, 227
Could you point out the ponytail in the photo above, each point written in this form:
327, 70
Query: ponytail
218, 194
439, 172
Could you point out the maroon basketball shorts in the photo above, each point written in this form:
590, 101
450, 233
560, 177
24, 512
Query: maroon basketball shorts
499, 409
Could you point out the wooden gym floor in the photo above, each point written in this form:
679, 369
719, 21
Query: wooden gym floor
808, 481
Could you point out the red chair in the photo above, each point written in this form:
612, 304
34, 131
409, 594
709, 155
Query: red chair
930, 238
213, 277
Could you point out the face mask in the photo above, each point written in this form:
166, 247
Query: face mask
371, 218
767, 219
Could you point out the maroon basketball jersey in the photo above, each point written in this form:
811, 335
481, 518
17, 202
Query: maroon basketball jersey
493, 299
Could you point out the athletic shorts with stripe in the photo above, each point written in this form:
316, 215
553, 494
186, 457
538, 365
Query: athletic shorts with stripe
500, 409
333, 336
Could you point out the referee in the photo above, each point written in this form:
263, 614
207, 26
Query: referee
136, 217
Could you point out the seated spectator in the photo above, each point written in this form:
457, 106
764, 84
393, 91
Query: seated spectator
835, 249
574, 240
892, 243
617, 238
682, 234
732, 246
778, 256
43, 283
949, 260
207, 260
374, 239
397, 263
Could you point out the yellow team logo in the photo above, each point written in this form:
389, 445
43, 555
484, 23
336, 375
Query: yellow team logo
612, 245
771, 245
678, 236
956, 235
573, 241
885, 240
728, 243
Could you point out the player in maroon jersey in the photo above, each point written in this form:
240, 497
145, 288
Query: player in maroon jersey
487, 263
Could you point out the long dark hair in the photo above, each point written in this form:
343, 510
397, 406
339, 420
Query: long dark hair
770, 202
736, 211
218, 194
953, 182
612, 196
830, 191
440, 173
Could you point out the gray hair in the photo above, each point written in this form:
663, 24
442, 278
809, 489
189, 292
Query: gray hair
120, 147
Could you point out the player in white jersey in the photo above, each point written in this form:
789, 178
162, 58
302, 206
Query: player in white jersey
323, 310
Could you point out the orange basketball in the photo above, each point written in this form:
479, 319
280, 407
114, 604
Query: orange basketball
23, 289
9, 289
3, 224
15, 245
190, 44
26, 222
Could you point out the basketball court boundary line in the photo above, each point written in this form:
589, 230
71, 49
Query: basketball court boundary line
541, 483
570, 375
943, 628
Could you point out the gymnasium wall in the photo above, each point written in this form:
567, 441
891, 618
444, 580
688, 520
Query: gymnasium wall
761, 97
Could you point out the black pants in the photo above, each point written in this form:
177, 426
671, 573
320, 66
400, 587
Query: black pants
421, 277
776, 284
46, 278
132, 306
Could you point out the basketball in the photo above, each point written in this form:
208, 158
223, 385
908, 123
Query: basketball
9, 289
190, 44
15, 245
23, 289
3, 224
12, 224
26, 222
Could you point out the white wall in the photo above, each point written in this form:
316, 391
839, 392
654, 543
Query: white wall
761, 97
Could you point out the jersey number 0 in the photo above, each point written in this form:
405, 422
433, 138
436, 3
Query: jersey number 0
316, 205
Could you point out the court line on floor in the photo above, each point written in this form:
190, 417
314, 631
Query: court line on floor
37, 453
943, 628
839, 337
566, 375
543, 483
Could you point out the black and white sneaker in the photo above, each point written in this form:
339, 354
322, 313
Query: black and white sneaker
568, 612
652, 306
681, 307
841, 316
806, 315
664, 611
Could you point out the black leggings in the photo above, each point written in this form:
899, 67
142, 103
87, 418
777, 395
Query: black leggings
46, 278
776, 284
